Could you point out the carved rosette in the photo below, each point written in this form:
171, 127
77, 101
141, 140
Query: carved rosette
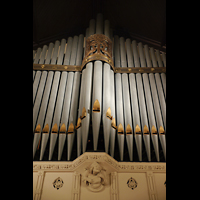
98, 47
132, 183
58, 183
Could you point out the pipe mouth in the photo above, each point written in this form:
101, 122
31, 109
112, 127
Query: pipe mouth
78, 123
62, 129
45, 130
145, 130
161, 131
71, 129
83, 113
108, 114
55, 129
96, 106
129, 130
138, 130
38, 129
154, 131
120, 130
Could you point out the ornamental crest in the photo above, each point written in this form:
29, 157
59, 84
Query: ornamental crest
132, 183
58, 183
98, 47
94, 177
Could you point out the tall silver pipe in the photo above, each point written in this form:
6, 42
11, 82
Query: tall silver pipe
126, 101
75, 95
159, 87
106, 105
87, 95
152, 119
66, 101
97, 89
134, 102
80, 109
142, 104
96, 101
112, 102
112, 106
68, 97
161, 119
107, 112
119, 100
148, 101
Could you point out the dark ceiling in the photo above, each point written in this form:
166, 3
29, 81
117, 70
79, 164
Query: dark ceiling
142, 20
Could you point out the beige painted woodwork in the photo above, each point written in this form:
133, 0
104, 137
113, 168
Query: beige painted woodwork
149, 176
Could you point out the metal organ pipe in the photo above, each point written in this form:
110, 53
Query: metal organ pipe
151, 117
142, 104
87, 94
112, 103
97, 89
161, 126
126, 101
159, 87
82, 93
134, 102
112, 106
106, 95
154, 133
75, 95
68, 95
119, 101
66, 101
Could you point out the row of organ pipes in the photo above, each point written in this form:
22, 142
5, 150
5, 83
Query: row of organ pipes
131, 106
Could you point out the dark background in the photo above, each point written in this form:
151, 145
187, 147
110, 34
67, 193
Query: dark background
142, 20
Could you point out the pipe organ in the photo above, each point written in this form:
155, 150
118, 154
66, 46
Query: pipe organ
99, 85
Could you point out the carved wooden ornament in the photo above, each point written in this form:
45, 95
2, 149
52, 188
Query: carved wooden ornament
98, 47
